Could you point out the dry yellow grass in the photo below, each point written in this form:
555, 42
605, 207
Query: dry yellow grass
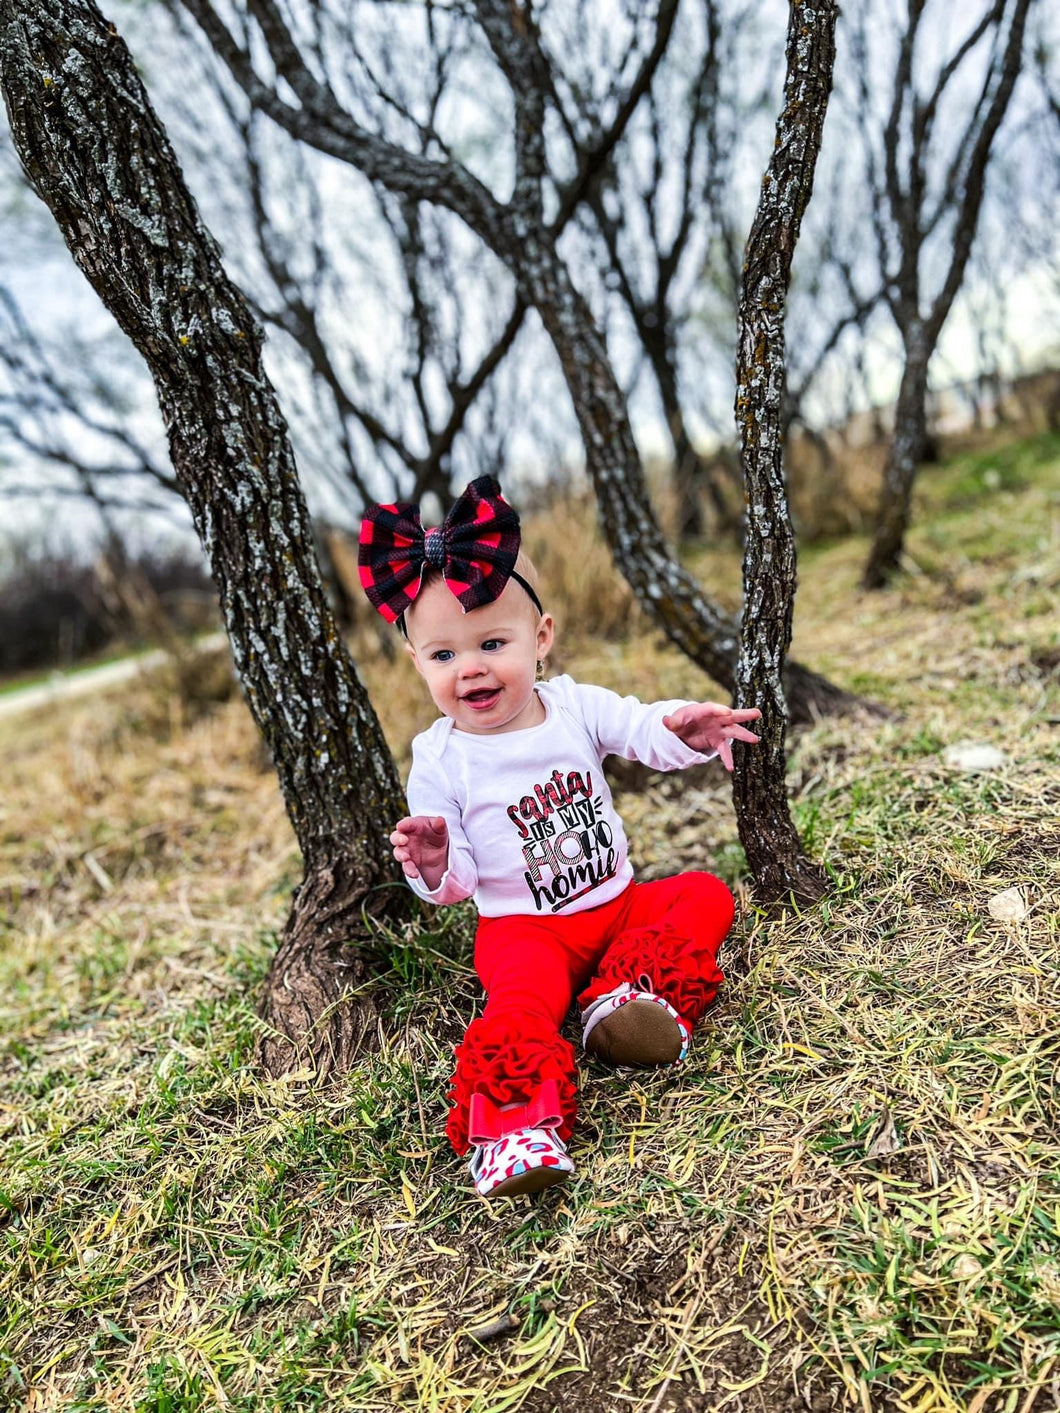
848, 1197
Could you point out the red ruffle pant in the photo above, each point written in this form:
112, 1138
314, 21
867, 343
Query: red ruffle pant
531, 967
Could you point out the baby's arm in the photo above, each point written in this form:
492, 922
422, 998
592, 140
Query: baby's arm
668, 735
421, 847
710, 726
430, 843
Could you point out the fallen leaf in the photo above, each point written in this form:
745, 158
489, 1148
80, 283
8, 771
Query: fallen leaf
966, 1267
1007, 906
983, 1397
406, 1192
885, 1141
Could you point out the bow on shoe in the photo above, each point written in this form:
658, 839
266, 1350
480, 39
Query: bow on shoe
489, 1122
475, 548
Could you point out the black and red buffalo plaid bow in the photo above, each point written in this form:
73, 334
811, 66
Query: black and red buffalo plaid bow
475, 548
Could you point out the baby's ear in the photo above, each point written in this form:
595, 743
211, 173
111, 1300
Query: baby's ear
545, 633
412, 654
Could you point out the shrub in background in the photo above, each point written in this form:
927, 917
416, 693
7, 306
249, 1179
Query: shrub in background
57, 608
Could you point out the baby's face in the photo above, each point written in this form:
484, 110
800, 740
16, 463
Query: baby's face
480, 667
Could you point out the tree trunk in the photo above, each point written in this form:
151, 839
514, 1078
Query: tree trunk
774, 853
96, 153
691, 473
920, 330
667, 592
906, 453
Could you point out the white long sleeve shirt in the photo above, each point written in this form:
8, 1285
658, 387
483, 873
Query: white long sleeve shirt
532, 827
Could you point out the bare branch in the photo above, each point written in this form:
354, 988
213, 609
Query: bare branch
322, 123
968, 211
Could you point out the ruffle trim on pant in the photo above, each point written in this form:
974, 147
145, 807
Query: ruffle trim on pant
508, 1058
682, 971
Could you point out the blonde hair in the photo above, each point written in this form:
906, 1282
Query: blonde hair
525, 566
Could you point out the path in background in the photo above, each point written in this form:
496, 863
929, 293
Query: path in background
93, 679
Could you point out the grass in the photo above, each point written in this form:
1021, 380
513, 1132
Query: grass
848, 1198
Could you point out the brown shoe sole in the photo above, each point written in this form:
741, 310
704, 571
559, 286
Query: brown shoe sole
638, 1033
536, 1180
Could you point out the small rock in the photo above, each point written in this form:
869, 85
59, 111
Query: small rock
1008, 906
972, 757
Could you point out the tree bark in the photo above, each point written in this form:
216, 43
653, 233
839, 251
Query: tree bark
903, 460
94, 150
780, 868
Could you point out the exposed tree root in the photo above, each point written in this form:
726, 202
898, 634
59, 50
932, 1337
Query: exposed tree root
314, 1003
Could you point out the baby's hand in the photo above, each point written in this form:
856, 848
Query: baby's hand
421, 847
709, 726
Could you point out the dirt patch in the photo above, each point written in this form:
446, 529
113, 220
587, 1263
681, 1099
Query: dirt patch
720, 1345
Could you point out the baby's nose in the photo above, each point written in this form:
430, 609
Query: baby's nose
471, 666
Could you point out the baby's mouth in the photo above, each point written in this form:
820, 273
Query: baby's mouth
481, 697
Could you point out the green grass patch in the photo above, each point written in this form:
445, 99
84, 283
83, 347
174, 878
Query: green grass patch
848, 1196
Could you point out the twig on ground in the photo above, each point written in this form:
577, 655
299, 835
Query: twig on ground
495, 1329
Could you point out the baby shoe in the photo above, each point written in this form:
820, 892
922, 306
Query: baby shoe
631, 1025
516, 1147
525, 1160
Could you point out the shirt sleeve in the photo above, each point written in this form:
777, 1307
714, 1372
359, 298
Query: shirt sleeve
624, 726
430, 793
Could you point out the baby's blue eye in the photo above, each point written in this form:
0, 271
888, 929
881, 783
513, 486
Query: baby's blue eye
442, 655
492, 644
